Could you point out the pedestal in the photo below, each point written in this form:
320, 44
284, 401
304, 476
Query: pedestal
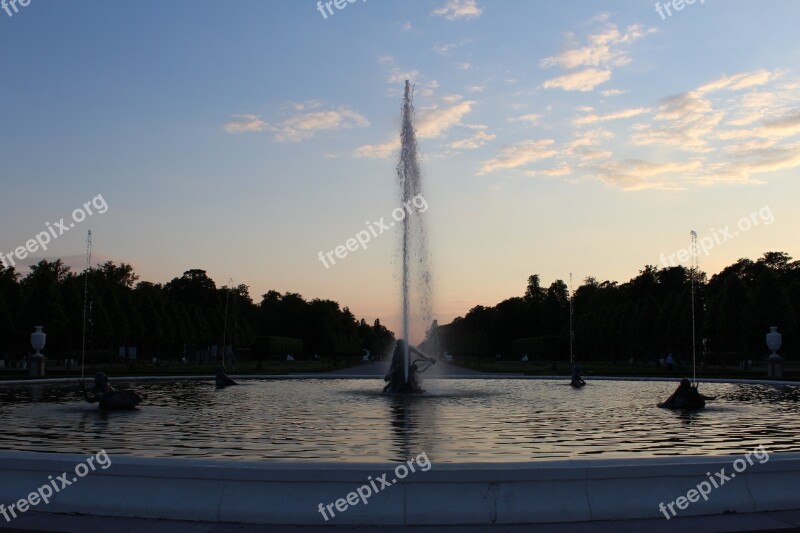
775, 366
36, 366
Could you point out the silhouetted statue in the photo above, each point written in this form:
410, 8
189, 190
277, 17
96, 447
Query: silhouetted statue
686, 397
577, 380
396, 376
109, 398
222, 379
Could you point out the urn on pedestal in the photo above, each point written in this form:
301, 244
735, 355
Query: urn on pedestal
37, 361
774, 361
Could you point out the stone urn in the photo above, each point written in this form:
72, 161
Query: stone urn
774, 361
37, 364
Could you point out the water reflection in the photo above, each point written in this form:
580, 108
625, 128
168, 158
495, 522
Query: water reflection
455, 421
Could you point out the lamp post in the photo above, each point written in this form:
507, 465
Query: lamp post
774, 361
38, 340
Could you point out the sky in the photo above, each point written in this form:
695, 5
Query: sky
244, 138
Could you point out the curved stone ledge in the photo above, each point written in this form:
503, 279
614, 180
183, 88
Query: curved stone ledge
275, 492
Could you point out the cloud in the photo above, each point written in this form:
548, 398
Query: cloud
739, 82
299, 126
435, 121
587, 156
478, 139
399, 76
739, 129
520, 154
583, 81
685, 121
604, 48
245, 124
445, 48
306, 125
531, 119
613, 92
787, 126
637, 175
587, 139
563, 169
746, 171
625, 113
377, 151
457, 9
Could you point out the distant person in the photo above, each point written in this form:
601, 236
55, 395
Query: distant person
107, 397
577, 380
222, 380
685, 397
670, 362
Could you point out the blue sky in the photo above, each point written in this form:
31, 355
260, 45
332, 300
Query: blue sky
245, 137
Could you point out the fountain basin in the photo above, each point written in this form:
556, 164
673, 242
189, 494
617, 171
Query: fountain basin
502, 451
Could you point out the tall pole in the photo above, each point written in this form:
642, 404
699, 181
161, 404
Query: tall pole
85, 299
225, 321
693, 274
571, 333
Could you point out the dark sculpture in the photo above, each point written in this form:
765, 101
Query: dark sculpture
222, 379
577, 380
396, 376
685, 397
107, 397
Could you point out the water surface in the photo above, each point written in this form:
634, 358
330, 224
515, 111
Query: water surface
465, 420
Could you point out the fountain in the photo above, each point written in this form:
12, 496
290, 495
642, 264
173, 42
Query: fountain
414, 251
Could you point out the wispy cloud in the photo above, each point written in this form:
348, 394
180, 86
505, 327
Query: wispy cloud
520, 154
637, 175
478, 139
531, 119
299, 126
246, 123
399, 76
583, 80
605, 50
617, 115
458, 9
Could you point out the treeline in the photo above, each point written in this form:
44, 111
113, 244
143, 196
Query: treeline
173, 320
643, 319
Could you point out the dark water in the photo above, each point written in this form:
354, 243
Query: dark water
456, 421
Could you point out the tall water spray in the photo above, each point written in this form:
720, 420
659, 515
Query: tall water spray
414, 246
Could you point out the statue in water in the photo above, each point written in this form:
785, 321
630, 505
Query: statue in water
685, 397
396, 377
222, 380
577, 380
107, 397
